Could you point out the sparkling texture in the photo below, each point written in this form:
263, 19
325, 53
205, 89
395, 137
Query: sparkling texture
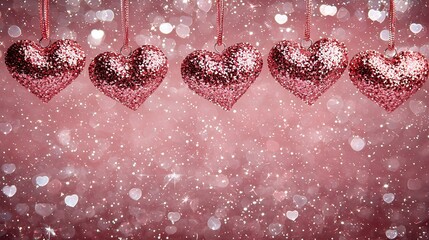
389, 81
231, 175
129, 79
222, 78
308, 73
45, 71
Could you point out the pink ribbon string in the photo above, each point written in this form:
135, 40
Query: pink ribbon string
125, 15
392, 27
308, 12
220, 17
44, 18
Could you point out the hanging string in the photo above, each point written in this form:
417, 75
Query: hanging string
220, 16
125, 15
392, 27
44, 18
308, 13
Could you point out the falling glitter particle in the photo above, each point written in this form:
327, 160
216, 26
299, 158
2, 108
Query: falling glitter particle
171, 230
275, 228
416, 28
71, 200
8, 168
135, 193
388, 197
42, 181
385, 35
391, 234
357, 144
414, 184
14, 31
182, 31
166, 28
299, 201
173, 217
44, 209
280, 18
327, 10
5, 128
376, 15
292, 215
213, 223
105, 15
204, 5
9, 190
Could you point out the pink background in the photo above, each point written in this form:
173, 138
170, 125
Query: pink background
228, 175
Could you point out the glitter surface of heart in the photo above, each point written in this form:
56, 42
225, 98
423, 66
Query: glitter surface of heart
129, 80
222, 78
308, 73
45, 71
389, 81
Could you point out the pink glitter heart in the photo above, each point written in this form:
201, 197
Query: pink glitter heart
308, 73
45, 71
222, 78
129, 79
389, 81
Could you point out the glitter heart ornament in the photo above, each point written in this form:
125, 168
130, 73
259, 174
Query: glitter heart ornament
45, 71
389, 81
222, 78
129, 79
308, 73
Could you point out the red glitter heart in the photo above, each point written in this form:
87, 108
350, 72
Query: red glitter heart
129, 79
308, 73
45, 71
222, 78
389, 81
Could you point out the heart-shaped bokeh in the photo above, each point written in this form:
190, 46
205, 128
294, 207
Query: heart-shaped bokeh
222, 78
308, 73
45, 71
129, 79
389, 81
